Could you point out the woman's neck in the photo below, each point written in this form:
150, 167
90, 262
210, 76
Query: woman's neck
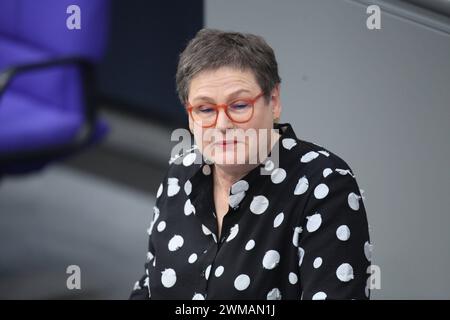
224, 178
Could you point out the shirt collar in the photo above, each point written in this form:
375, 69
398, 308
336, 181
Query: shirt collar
202, 197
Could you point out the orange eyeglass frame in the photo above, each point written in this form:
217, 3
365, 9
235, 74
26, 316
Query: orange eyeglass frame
225, 106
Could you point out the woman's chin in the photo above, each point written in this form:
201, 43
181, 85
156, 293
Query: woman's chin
228, 158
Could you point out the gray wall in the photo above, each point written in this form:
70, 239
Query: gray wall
380, 100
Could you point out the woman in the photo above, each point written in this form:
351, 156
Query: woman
289, 225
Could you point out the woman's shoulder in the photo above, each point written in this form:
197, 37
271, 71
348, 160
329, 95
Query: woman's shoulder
184, 164
316, 160
318, 169
307, 157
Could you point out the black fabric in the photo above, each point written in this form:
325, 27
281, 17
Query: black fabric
300, 232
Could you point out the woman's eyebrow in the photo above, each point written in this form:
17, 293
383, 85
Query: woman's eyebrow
229, 97
203, 98
236, 93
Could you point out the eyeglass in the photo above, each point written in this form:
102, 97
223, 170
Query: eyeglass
239, 111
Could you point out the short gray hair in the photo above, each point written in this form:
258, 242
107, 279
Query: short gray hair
211, 49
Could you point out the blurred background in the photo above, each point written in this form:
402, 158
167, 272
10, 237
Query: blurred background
86, 113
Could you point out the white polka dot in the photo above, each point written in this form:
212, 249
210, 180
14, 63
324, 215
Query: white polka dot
321, 191
301, 254
317, 262
205, 230
156, 213
274, 294
343, 233
259, 204
192, 258
240, 186
343, 171
136, 286
206, 170
368, 248
161, 226
271, 259
250, 245
208, 161
319, 296
278, 220
302, 186
353, 201
207, 271
219, 271
314, 222
176, 243
269, 165
278, 175
242, 282
293, 278
188, 187
235, 199
296, 235
345, 272
173, 187
188, 207
326, 172
168, 278
189, 159
309, 156
288, 143
150, 256
233, 232
198, 296
325, 153
160, 190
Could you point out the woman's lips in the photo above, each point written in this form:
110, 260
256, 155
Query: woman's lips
223, 142
226, 143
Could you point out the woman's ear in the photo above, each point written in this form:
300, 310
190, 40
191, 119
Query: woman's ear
276, 103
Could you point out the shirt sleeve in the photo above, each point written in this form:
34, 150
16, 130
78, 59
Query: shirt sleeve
333, 261
141, 289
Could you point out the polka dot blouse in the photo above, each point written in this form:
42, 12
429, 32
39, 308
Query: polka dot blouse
300, 232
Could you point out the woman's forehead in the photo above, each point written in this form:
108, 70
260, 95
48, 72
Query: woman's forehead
223, 82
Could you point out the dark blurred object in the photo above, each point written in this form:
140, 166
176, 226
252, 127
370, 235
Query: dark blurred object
437, 6
137, 76
47, 110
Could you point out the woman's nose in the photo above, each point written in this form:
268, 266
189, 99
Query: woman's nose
223, 121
